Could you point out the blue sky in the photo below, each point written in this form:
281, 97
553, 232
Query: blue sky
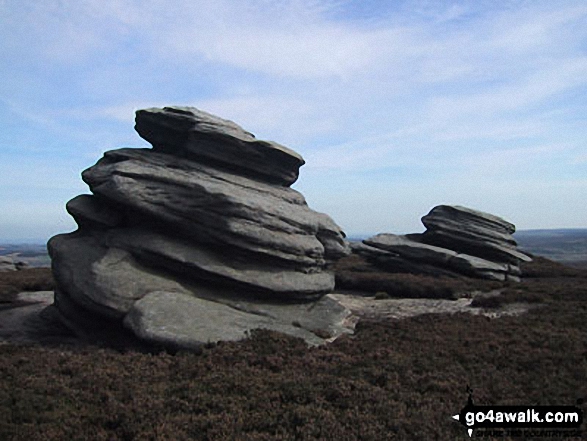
397, 106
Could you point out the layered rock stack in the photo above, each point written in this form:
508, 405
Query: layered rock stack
457, 240
198, 239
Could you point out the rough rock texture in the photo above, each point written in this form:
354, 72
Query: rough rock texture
458, 240
172, 319
472, 232
7, 263
177, 242
194, 134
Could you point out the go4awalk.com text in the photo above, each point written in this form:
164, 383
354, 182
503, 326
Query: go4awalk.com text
530, 421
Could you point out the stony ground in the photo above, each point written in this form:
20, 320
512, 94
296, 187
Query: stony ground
394, 379
367, 307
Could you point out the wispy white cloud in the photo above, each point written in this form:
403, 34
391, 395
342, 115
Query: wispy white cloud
509, 161
521, 93
540, 29
410, 88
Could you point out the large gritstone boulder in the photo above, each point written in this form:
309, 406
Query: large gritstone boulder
198, 239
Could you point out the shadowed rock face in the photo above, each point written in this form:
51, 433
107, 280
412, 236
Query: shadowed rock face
207, 221
191, 133
458, 240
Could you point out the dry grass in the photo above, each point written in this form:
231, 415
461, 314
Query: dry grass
400, 379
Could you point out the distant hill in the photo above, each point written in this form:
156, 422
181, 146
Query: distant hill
33, 254
561, 245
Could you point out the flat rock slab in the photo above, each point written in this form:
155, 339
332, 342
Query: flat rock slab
184, 322
466, 220
28, 321
409, 249
382, 309
423, 253
194, 134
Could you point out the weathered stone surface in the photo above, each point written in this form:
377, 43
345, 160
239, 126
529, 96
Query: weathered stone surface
437, 256
469, 221
218, 266
216, 207
386, 309
325, 318
472, 232
458, 240
7, 264
101, 279
88, 210
181, 321
191, 133
488, 250
411, 250
475, 266
198, 239
391, 262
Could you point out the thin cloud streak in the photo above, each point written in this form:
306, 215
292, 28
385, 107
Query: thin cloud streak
412, 88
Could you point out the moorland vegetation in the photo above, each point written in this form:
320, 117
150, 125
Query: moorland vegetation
393, 379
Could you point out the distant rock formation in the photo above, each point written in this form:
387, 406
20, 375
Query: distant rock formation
7, 264
198, 239
457, 240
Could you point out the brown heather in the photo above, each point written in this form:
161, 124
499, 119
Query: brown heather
31, 279
399, 379
354, 273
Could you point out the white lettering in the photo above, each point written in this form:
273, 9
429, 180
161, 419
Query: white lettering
470, 417
510, 417
536, 417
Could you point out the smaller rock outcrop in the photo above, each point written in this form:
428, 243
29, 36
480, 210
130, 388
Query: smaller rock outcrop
457, 240
472, 232
7, 264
